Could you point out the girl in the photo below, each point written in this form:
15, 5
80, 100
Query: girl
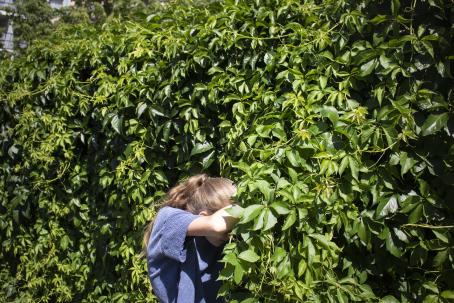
184, 244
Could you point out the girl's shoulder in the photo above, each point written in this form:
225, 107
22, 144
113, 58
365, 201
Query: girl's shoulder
168, 211
174, 219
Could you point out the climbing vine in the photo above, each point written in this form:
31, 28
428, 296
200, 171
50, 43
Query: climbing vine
333, 117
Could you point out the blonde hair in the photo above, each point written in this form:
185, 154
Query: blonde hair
195, 194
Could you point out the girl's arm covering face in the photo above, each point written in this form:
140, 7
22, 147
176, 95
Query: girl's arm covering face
216, 225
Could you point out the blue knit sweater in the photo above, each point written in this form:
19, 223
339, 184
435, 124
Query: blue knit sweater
182, 269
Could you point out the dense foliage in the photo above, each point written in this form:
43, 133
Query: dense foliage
335, 118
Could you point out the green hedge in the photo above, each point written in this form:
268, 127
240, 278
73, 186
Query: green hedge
333, 117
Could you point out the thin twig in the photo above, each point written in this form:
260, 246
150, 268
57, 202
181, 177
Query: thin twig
427, 226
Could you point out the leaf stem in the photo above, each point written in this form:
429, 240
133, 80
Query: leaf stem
427, 226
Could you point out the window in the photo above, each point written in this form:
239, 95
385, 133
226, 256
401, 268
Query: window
55, 3
6, 33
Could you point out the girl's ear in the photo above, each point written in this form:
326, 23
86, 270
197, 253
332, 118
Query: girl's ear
203, 213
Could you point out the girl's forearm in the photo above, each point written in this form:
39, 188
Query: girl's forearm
215, 225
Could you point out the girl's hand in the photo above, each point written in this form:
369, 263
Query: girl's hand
223, 222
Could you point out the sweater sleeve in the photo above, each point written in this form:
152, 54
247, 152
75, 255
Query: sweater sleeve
174, 234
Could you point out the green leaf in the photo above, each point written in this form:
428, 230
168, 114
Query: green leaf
40, 74
290, 220
278, 255
201, 148
235, 211
260, 221
279, 132
323, 81
166, 131
238, 274
251, 212
310, 251
389, 299
249, 256
431, 299
441, 236
406, 163
265, 188
270, 220
293, 174
391, 245
448, 294
379, 19
379, 93
280, 207
324, 242
440, 258
208, 160
428, 46
385, 62
230, 258
64, 241
345, 161
117, 124
395, 6
434, 123
16, 216
354, 167
386, 207
423, 187
251, 140
293, 158
141, 108
302, 265
264, 130
363, 232
367, 68
430, 285
157, 111
341, 297
391, 135
330, 113
415, 214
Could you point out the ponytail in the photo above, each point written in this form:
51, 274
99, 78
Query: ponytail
197, 193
